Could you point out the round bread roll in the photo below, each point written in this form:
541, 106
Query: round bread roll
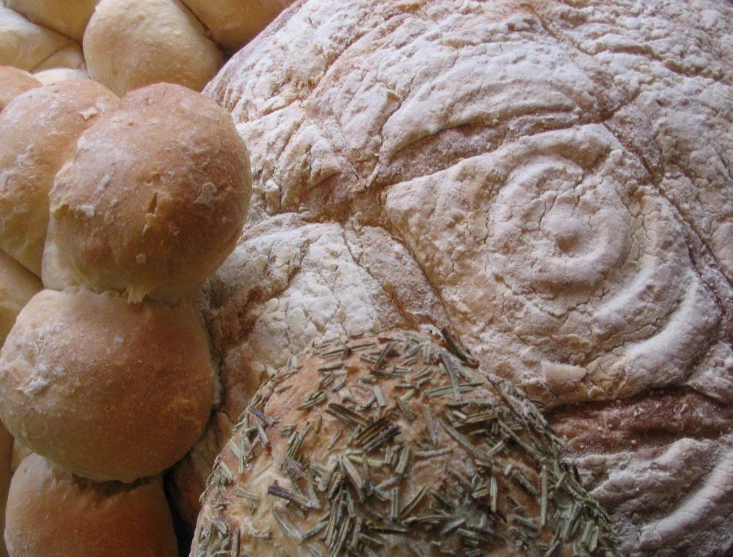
233, 23
392, 445
67, 18
155, 197
129, 44
103, 388
52, 513
14, 82
31, 47
39, 130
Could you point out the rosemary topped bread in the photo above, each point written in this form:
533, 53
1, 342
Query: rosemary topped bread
394, 445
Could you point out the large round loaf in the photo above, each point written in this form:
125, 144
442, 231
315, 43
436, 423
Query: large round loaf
549, 178
52, 513
39, 130
103, 388
155, 196
392, 445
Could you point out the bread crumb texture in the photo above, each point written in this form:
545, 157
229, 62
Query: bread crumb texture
552, 179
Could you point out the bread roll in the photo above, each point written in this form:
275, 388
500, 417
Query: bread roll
155, 196
65, 17
52, 513
39, 130
28, 46
394, 446
103, 388
14, 82
129, 44
233, 23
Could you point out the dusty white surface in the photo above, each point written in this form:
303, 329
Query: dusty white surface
551, 179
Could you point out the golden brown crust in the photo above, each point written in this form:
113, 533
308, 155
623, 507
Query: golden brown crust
155, 196
103, 388
39, 130
130, 44
52, 513
14, 82
392, 445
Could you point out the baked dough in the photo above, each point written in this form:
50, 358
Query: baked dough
39, 130
52, 513
103, 388
394, 445
129, 44
28, 46
66, 18
550, 178
14, 82
155, 196
233, 23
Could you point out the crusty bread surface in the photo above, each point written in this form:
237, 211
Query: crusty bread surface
129, 44
154, 197
39, 130
103, 388
52, 513
394, 445
14, 82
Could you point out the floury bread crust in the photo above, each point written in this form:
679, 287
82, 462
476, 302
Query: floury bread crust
154, 197
415, 160
52, 513
394, 446
39, 130
103, 388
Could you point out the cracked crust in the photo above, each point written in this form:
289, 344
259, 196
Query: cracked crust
552, 179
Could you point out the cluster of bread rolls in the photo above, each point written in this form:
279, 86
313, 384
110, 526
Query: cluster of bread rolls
127, 44
123, 207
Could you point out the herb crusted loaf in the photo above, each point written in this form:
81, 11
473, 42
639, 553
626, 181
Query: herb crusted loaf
392, 445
